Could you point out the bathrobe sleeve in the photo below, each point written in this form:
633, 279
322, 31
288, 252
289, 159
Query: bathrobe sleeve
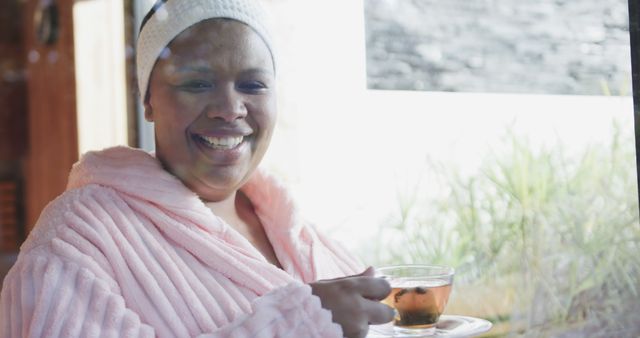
51, 297
291, 311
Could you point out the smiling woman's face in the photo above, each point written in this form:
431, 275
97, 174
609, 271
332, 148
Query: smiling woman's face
212, 99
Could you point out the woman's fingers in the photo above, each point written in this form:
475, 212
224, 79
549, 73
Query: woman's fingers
372, 288
354, 301
368, 272
378, 313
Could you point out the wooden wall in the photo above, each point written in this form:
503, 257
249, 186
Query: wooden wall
53, 138
12, 83
13, 131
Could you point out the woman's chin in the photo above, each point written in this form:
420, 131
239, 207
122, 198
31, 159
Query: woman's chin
217, 189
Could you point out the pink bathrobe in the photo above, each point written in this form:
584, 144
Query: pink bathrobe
129, 251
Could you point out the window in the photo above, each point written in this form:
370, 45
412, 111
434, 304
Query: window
529, 187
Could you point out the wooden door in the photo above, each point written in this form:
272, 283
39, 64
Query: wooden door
13, 137
52, 126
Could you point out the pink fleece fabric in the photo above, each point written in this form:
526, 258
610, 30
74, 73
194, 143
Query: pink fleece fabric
129, 251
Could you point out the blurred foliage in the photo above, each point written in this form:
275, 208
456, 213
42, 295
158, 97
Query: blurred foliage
562, 230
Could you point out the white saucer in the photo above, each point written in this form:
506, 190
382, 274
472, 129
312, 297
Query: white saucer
449, 326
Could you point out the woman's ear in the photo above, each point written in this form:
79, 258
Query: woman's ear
148, 111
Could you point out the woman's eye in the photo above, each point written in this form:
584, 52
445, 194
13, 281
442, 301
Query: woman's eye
196, 86
252, 86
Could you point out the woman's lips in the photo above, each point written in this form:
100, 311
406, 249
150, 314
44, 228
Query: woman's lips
223, 142
222, 149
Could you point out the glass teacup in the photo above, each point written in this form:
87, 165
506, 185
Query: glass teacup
419, 295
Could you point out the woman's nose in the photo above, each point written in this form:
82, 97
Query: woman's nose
227, 105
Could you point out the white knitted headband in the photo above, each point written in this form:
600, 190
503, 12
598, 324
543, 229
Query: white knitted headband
172, 17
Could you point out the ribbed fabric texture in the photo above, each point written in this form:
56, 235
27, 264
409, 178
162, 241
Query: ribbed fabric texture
128, 251
174, 16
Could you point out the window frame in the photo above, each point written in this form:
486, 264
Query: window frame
634, 32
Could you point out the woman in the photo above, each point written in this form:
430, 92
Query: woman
194, 241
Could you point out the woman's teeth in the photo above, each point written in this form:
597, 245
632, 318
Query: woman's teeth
222, 142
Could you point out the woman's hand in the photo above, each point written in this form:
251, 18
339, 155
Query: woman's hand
354, 301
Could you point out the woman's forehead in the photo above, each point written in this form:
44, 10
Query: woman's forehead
215, 36
218, 40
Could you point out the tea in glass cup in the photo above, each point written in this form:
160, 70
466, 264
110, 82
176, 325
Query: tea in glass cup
419, 294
